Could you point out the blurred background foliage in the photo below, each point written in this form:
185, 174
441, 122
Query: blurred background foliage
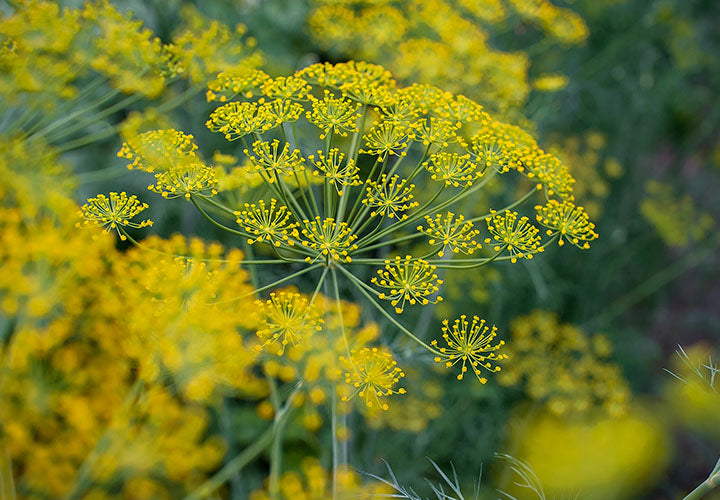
624, 92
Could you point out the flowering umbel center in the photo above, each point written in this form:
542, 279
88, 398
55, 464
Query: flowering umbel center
470, 345
352, 180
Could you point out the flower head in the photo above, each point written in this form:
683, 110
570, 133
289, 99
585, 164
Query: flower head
385, 139
159, 150
470, 343
389, 197
452, 169
269, 224
286, 87
238, 119
334, 114
331, 168
228, 85
435, 132
569, 221
185, 181
113, 211
331, 239
408, 280
518, 235
270, 159
374, 374
287, 318
451, 231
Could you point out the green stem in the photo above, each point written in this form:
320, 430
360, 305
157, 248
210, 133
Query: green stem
245, 457
712, 482
362, 286
505, 209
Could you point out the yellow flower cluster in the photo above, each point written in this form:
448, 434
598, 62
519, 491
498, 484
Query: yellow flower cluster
106, 356
113, 211
408, 280
471, 344
48, 47
676, 219
313, 482
373, 373
559, 365
370, 140
443, 42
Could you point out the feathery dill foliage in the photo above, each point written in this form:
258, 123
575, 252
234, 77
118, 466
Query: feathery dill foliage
350, 163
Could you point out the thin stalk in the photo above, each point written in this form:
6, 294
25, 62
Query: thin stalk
505, 209
712, 482
362, 190
216, 223
271, 285
246, 456
362, 286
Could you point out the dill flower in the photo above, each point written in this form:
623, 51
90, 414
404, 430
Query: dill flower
286, 88
159, 150
550, 173
228, 85
113, 212
389, 197
333, 240
568, 221
273, 161
384, 139
281, 110
452, 169
269, 224
287, 318
336, 115
408, 280
238, 119
518, 235
472, 344
331, 168
185, 181
450, 231
374, 374
550, 82
435, 132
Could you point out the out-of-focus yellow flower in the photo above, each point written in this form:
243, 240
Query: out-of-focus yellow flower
550, 82
313, 482
562, 367
596, 456
675, 218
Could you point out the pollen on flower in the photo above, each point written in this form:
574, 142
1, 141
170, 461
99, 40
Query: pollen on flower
334, 114
568, 221
185, 181
452, 232
274, 161
270, 224
329, 238
408, 280
238, 119
452, 169
518, 235
386, 138
373, 373
389, 197
113, 211
228, 85
287, 318
331, 168
471, 344
159, 150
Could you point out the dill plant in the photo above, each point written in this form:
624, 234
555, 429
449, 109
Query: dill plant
358, 183
353, 203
